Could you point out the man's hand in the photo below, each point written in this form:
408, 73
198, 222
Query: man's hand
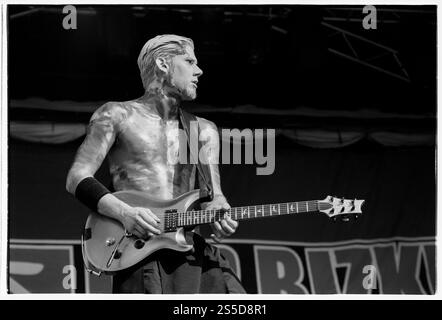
225, 227
141, 222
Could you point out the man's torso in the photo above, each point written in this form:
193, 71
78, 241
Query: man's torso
145, 154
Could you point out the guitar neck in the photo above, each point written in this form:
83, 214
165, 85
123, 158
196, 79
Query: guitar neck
200, 217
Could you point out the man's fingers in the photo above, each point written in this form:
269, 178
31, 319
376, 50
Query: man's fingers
219, 229
148, 216
150, 219
153, 215
226, 227
146, 226
139, 232
142, 232
232, 223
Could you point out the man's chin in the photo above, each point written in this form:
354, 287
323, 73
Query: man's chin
189, 96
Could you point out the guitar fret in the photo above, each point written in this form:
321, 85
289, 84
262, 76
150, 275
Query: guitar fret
292, 208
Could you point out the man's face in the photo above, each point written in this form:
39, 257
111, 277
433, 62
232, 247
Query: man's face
184, 74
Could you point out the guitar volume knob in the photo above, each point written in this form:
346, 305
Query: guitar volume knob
110, 241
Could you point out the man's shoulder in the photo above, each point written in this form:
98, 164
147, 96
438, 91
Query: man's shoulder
205, 123
208, 129
115, 109
118, 106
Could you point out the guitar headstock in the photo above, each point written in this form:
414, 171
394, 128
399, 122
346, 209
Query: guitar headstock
344, 209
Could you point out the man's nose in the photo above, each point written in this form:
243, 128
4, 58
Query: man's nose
198, 71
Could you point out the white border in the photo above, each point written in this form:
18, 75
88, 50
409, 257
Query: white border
4, 165
3, 158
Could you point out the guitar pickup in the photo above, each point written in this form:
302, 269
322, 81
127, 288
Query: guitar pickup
171, 211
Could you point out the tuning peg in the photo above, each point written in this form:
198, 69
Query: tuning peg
346, 219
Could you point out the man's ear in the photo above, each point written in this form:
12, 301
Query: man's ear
162, 64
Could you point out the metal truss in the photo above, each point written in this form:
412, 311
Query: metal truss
377, 51
385, 15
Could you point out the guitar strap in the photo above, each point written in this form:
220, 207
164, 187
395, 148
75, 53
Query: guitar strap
206, 190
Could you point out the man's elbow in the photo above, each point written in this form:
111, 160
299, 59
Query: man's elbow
73, 179
69, 183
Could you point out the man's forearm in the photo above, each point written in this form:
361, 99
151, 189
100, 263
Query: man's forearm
112, 207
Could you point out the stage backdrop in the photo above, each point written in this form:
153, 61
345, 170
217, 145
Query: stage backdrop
389, 249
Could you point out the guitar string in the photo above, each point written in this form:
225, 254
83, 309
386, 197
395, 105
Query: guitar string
208, 216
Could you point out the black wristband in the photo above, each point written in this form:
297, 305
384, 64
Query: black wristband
89, 191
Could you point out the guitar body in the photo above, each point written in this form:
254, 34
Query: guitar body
109, 249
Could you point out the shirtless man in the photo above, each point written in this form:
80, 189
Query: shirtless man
141, 140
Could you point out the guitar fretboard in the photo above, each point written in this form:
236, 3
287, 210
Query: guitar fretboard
193, 218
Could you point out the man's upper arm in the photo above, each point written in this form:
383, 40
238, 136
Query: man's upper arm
211, 146
101, 133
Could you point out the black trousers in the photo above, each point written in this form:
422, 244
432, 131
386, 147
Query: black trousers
202, 270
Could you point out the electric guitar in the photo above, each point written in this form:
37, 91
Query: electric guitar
108, 247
